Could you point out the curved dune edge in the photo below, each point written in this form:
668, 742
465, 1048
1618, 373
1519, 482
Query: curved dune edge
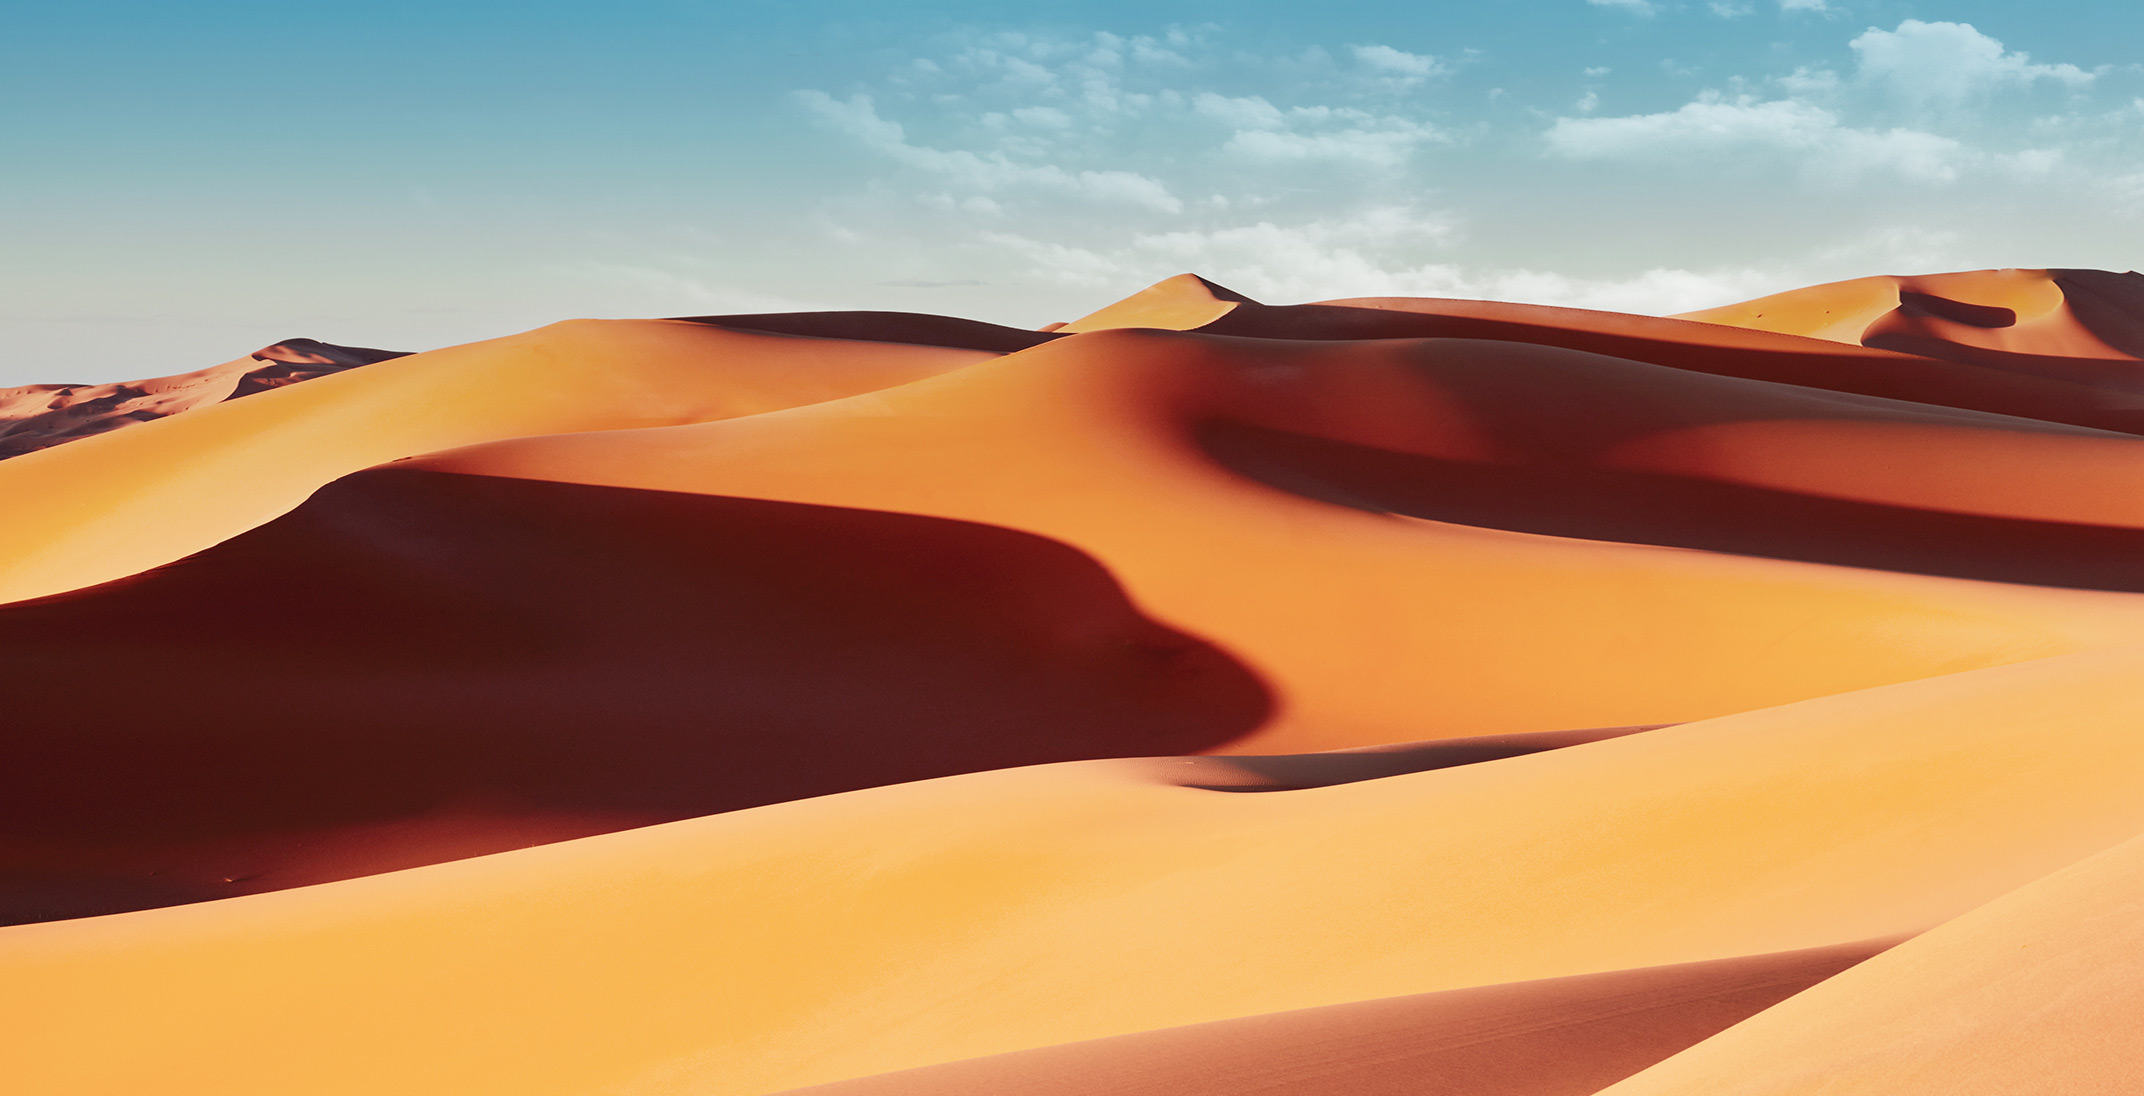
1943, 368
104, 507
898, 927
891, 703
1093, 441
1981, 316
1180, 303
2038, 991
1558, 1037
415, 666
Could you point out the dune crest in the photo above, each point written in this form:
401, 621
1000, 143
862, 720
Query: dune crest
1181, 303
2003, 318
1200, 697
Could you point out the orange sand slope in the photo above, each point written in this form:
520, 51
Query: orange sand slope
897, 927
1560, 1035
112, 505
1202, 696
2055, 313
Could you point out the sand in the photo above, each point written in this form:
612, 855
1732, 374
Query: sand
40, 416
1201, 696
1556, 1036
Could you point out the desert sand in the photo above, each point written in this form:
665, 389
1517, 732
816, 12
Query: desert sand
1199, 696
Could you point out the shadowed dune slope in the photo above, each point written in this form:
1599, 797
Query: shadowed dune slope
1358, 615
2038, 991
115, 504
886, 327
414, 666
897, 927
1559, 1037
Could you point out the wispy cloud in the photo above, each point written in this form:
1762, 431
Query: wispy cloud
1827, 149
989, 171
1951, 63
1837, 132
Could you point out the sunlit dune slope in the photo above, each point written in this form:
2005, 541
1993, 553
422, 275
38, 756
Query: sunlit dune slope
1558, 1037
896, 927
1116, 544
2039, 991
1246, 491
2018, 319
1180, 303
112, 505
1200, 697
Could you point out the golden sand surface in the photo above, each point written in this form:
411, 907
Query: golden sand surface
1201, 697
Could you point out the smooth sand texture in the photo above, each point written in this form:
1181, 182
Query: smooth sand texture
896, 927
1105, 442
2081, 391
1172, 304
2038, 991
1205, 695
1558, 1037
2018, 319
1036, 559
113, 505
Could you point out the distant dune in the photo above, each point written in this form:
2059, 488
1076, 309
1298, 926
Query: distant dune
42, 415
1199, 697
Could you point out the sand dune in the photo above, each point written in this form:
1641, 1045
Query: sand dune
1559, 1037
1034, 559
1153, 453
40, 416
2037, 385
2090, 314
896, 927
1201, 696
2039, 991
117, 504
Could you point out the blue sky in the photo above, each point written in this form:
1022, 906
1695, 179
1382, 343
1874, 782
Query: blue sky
186, 182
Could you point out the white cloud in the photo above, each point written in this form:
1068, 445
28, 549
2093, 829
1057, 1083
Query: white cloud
1266, 132
1726, 9
2032, 163
1244, 112
1636, 7
1829, 150
1810, 81
1046, 117
1379, 148
1373, 253
1804, 5
1950, 62
642, 289
985, 172
1400, 62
